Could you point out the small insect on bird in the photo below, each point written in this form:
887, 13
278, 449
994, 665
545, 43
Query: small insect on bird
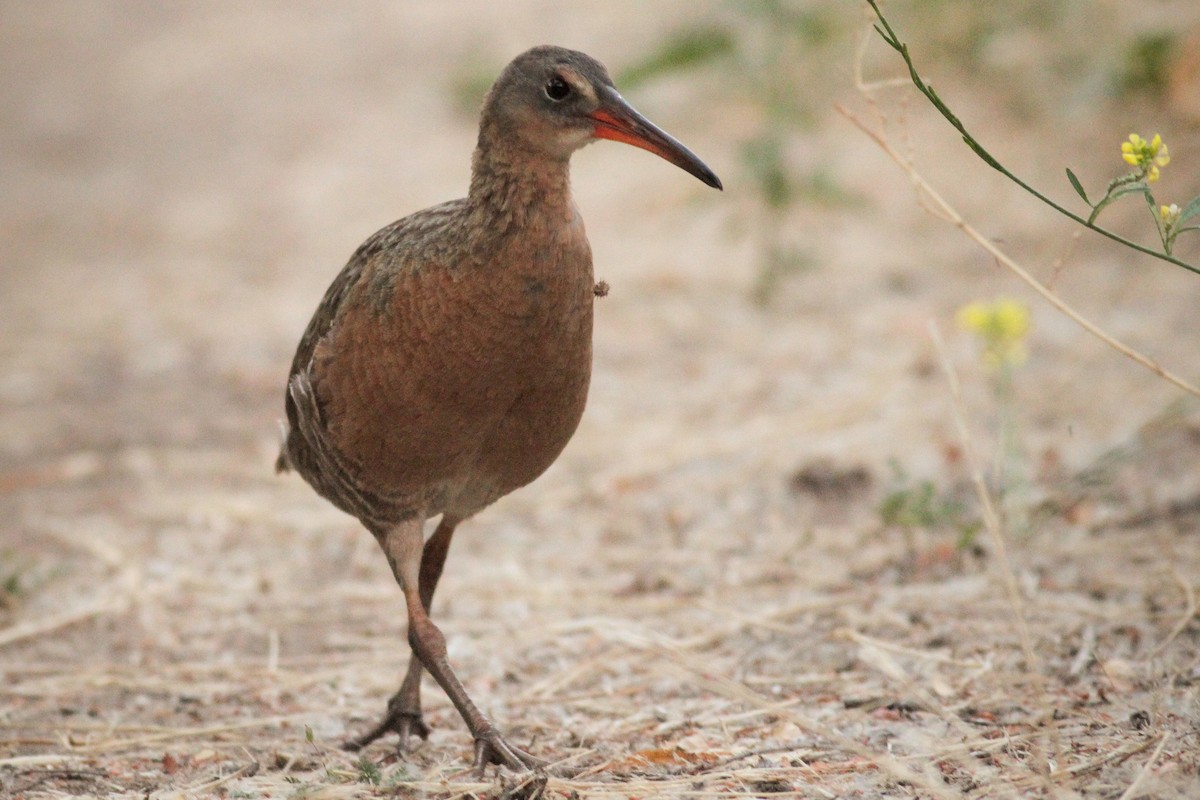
448, 363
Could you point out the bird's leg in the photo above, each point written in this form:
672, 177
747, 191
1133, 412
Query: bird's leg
403, 714
403, 546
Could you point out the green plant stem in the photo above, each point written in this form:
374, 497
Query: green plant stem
894, 42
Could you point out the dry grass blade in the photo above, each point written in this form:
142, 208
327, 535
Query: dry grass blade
112, 745
1132, 792
53, 622
996, 535
686, 668
863, 639
1189, 613
248, 771
991, 519
123, 587
37, 760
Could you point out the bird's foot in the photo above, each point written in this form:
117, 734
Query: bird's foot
399, 719
490, 748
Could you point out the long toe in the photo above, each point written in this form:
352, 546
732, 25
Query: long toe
411, 725
403, 723
491, 748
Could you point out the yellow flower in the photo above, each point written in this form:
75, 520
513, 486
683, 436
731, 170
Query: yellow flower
1149, 156
973, 316
1158, 148
1131, 150
1001, 327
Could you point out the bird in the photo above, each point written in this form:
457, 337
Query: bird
448, 363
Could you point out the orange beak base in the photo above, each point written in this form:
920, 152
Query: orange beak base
617, 120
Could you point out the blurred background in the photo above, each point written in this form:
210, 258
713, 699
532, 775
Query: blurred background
180, 182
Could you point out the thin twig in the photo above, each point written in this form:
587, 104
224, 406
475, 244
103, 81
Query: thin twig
1049, 296
893, 41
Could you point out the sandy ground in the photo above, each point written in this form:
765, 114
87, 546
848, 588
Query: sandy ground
699, 598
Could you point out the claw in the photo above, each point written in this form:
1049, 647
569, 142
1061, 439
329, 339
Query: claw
490, 748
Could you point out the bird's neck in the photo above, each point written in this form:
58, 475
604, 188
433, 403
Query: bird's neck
512, 191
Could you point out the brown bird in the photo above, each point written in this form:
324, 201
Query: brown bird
448, 363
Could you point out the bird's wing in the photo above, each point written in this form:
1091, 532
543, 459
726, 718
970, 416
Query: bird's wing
382, 268
389, 243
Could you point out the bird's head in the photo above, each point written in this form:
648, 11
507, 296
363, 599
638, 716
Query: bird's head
552, 101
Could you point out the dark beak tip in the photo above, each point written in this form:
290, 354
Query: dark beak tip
618, 120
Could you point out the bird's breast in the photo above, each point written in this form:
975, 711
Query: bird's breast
470, 371
534, 321
541, 338
541, 286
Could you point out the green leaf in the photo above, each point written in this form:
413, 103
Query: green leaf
368, 771
308, 734
1078, 186
1190, 210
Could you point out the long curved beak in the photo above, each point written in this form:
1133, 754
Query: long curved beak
617, 120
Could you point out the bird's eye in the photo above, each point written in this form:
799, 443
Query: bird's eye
557, 89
